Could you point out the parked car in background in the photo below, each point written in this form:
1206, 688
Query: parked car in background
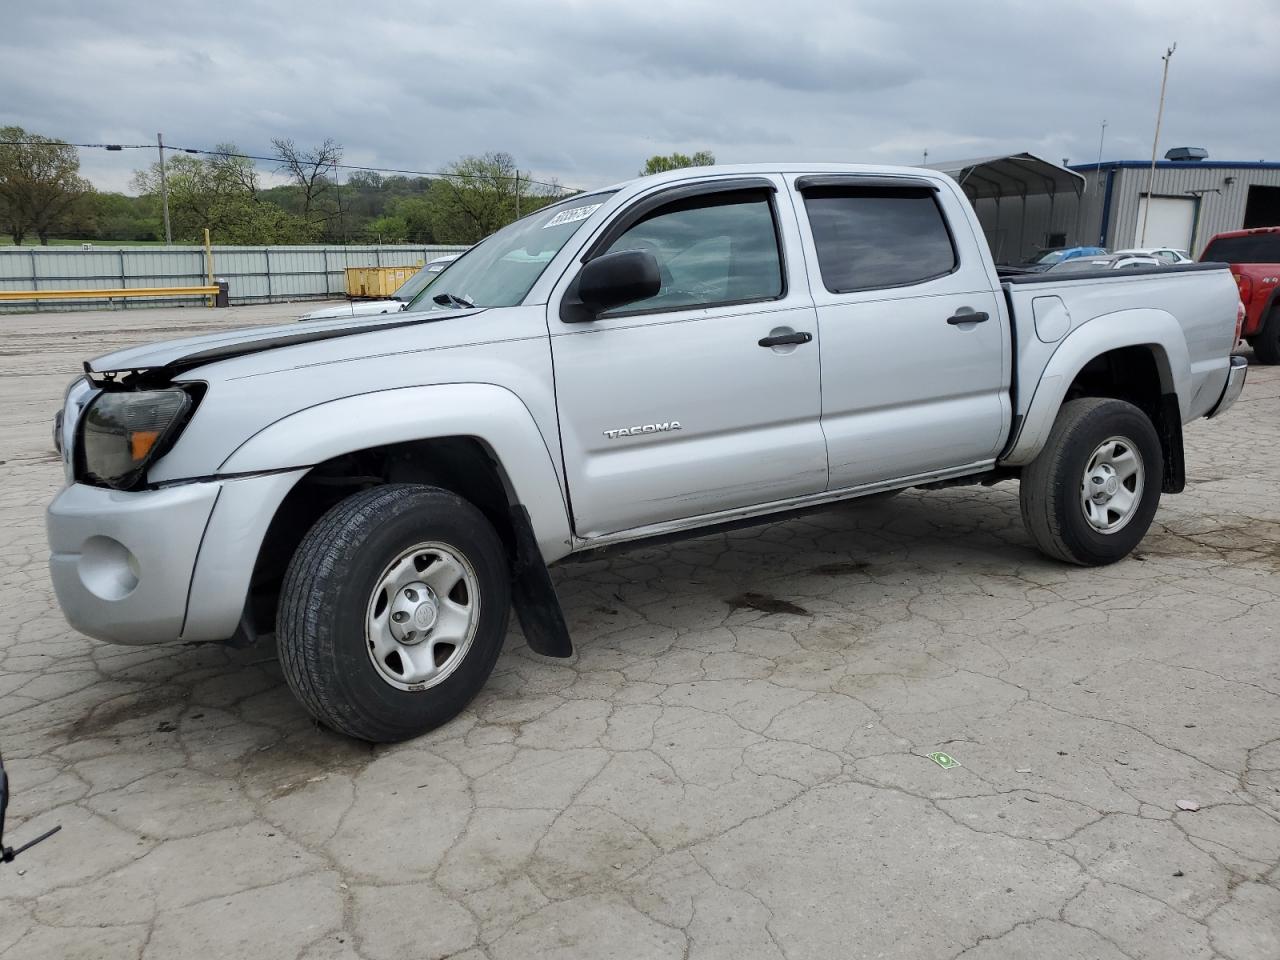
1110, 261
399, 300
701, 347
1254, 258
1166, 255
1049, 258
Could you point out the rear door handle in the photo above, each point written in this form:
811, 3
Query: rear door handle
958, 318
783, 339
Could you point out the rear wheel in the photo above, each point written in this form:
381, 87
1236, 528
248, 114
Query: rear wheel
1090, 496
1266, 342
393, 611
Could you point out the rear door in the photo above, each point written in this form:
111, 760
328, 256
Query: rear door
915, 353
672, 408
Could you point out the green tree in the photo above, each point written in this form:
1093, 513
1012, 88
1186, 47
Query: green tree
676, 161
386, 229
478, 195
114, 216
418, 216
41, 190
220, 192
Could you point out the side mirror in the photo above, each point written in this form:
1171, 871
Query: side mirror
611, 281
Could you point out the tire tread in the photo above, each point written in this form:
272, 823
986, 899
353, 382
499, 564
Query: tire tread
305, 603
1044, 481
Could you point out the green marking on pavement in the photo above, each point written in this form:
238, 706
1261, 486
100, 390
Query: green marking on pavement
944, 760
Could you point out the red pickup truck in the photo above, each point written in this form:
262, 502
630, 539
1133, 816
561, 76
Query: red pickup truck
1254, 256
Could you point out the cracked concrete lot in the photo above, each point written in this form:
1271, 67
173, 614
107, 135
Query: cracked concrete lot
733, 765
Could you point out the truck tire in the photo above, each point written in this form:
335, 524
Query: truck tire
1090, 495
393, 611
1266, 342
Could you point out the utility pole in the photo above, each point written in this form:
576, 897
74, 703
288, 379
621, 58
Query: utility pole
517, 194
1101, 137
924, 161
1155, 144
164, 191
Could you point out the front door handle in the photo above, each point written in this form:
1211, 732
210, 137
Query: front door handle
783, 339
958, 318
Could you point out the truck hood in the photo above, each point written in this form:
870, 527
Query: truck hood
361, 308
189, 352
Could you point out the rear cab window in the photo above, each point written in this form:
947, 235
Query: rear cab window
873, 237
1252, 248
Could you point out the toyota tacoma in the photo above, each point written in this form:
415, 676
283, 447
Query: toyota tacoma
681, 352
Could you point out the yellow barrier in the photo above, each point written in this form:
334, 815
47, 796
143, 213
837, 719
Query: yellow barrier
9, 296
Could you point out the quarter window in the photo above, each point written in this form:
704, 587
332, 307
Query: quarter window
871, 237
711, 250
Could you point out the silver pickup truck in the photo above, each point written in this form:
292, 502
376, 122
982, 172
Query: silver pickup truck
680, 352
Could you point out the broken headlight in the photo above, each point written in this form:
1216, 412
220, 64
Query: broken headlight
123, 432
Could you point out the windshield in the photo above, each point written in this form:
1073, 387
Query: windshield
499, 270
1251, 248
414, 285
1053, 256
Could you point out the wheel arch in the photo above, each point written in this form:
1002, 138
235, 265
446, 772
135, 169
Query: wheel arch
489, 418
477, 441
1264, 315
1093, 360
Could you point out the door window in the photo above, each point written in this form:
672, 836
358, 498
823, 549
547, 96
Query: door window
711, 251
873, 237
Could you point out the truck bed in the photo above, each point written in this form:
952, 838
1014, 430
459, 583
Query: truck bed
1047, 309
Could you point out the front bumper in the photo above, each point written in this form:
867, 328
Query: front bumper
160, 565
1236, 375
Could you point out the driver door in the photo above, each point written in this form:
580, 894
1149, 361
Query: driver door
681, 406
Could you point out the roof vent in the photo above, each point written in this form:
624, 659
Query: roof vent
1187, 153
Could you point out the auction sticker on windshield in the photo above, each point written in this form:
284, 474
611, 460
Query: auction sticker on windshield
572, 215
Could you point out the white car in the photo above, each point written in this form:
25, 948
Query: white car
399, 300
1166, 255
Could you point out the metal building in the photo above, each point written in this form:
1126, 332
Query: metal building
1027, 204
1024, 202
1191, 200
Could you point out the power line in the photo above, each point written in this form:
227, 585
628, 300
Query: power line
117, 147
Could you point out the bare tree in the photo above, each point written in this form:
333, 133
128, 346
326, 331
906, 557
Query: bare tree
309, 169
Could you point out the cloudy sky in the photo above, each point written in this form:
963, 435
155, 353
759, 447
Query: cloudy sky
584, 91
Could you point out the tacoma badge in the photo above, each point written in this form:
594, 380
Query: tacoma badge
645, 428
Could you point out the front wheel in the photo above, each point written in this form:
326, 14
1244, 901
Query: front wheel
1091, 494
393, 611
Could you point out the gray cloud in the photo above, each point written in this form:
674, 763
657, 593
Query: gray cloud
583, 92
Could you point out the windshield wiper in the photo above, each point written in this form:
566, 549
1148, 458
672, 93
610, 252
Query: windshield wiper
452, 299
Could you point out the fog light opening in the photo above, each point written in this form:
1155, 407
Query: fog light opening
107, 568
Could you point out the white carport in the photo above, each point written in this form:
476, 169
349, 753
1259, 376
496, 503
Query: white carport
1047, 198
